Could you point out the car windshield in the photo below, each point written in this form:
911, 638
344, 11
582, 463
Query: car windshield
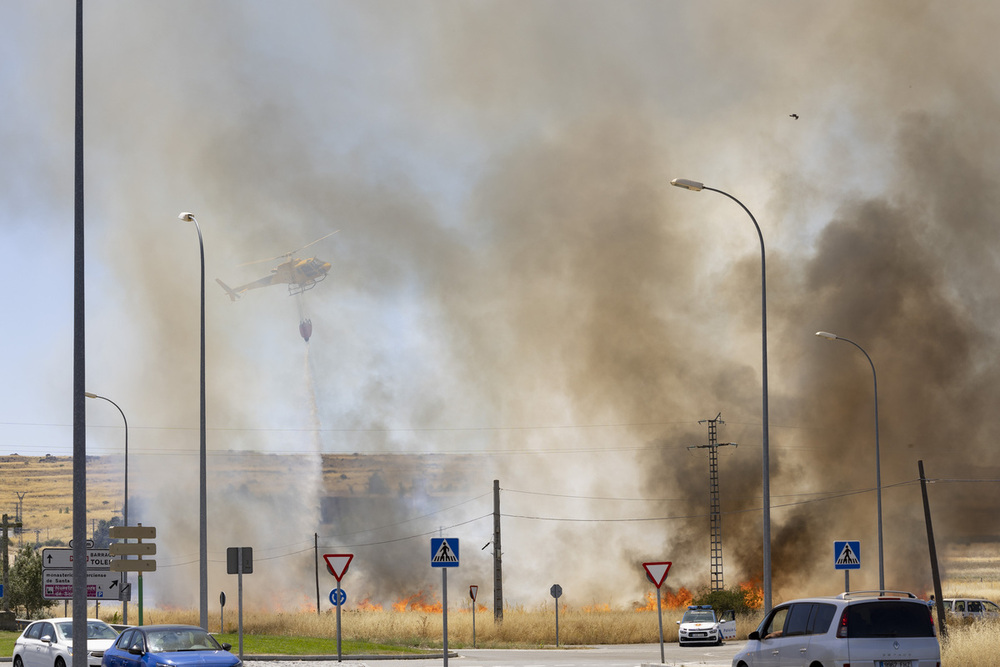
888, 619
95, 630
180, 639
698, 616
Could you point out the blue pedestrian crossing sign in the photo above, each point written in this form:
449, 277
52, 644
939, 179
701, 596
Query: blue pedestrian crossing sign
444, 552
847, 554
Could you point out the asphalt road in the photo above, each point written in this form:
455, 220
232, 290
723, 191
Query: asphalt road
627, 655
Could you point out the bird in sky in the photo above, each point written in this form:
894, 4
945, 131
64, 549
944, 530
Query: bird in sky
793, 115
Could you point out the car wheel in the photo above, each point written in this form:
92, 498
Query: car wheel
17, 661
60, 662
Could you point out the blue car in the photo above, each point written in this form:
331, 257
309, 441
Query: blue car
173, 645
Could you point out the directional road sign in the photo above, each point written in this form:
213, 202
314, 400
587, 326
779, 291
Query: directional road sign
444, 552
121, 565
132, 532
847, 554
58, 584
337, 600
133, 549
62, 559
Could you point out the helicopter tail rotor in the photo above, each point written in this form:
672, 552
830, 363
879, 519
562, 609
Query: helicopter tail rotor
232, 295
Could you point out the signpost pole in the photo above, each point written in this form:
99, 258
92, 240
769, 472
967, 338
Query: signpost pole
557, 622
239, 587
444, 610
472, 594
444, 554
556, 592
847, 557
657, 573
659, 614
339, 599
337, 564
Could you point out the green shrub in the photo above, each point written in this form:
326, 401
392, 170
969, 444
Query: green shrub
735, 598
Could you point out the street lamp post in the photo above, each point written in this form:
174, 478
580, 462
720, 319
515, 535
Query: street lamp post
203, 475
125, 505
765, 446
878, 471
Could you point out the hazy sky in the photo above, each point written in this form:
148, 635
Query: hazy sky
513, 275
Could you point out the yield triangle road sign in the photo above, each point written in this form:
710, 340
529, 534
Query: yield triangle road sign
657, 572
337, 563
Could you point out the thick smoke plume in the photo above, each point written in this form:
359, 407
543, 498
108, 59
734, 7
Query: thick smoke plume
514, 279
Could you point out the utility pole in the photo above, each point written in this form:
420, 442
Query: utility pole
19, 517
715, 514
497, 566
6, 560
935, 572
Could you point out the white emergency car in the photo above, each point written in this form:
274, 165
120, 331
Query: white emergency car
700, 625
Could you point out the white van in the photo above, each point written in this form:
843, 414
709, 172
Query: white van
884, 628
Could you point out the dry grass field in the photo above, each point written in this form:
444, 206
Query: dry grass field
46, 486
45, 483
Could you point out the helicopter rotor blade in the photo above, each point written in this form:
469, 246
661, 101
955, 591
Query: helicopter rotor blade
312, 242
287, 255
261, 261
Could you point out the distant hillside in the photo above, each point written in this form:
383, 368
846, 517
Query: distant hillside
45, 488
45, 484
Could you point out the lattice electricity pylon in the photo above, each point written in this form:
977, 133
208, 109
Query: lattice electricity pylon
715, 514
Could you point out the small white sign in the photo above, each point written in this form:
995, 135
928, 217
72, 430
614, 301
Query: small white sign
62, 559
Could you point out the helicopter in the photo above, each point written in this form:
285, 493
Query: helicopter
299, 274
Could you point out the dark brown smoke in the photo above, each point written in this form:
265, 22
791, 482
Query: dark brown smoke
515, 279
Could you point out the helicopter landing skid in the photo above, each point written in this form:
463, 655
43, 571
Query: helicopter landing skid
299, 288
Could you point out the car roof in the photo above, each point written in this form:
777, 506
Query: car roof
168, 626
860, 596
63, 619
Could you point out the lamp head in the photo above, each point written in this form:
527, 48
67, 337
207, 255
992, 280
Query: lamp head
687, 184
827, 335
187, 217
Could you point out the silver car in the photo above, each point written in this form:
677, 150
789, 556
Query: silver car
880, 628
49, 643
971, 607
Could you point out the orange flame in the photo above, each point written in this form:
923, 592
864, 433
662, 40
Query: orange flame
419, 601
753, 594
670, 600
678, 600
591, 608
368, 605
